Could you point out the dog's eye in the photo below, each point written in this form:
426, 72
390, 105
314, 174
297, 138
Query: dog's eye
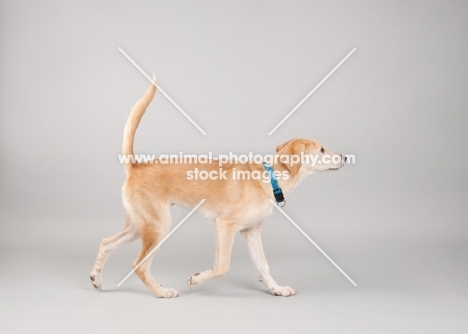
322, 150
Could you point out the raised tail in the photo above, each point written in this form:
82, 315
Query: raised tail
133, 121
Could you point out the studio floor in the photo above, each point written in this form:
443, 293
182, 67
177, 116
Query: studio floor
405, 285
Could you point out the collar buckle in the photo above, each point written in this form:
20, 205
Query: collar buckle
277, 192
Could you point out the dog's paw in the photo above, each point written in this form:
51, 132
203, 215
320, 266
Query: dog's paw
166, 293
284, 291
193, 280
96, 280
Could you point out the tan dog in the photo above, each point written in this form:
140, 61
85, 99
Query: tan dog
233, 205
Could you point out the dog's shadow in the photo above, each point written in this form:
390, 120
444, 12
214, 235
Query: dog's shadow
232, 288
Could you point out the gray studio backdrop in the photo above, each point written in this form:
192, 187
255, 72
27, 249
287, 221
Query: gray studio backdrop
395, 221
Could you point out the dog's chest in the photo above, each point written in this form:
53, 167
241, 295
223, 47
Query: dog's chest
253, 213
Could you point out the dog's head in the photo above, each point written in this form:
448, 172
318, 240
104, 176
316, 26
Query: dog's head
308, 155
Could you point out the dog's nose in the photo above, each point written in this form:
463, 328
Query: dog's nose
343, 158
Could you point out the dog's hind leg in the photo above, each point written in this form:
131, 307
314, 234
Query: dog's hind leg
152, 231
225, 238
107, 247
253, 238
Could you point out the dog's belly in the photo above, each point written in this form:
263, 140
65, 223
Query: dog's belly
245, 215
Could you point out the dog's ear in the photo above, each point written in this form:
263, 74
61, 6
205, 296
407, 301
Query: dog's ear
280, 147
290, 155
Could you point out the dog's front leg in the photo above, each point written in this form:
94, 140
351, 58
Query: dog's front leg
225, 237
253, 238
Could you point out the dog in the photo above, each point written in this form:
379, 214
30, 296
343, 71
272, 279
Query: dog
233, 205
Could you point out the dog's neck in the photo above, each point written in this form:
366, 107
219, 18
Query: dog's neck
288, 185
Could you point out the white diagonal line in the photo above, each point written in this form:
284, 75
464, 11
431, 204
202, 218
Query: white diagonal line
313, 90
163, 92
161, 242
313, 242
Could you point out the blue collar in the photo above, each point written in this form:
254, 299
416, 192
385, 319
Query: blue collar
277, 192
